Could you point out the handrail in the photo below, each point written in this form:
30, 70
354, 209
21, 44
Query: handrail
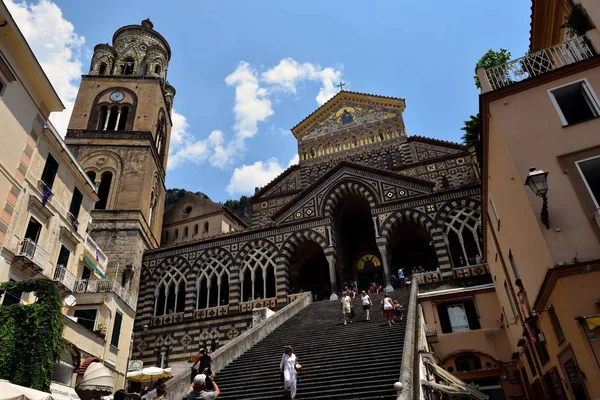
407, 385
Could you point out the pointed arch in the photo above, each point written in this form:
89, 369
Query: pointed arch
299, 237
461, 220
169, 295
214, 278
258, 261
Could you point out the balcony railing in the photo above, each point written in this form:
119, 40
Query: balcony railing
539, 63
64, 277
597, 216
97, 253
34, 253
105, 286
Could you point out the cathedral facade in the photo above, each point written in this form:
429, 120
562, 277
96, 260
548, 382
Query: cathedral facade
364, 200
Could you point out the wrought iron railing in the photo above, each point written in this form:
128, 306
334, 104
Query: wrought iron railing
539, 63
105, 286
64, 277
34, 253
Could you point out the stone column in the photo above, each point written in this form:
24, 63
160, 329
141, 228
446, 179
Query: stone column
118, 119
386, 269
106, 122
332, 278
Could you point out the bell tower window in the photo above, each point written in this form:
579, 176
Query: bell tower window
102, 118
157, 70
102, 69
122, 118
111, 120
104, 190
127, 66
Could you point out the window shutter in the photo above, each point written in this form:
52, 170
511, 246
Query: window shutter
444, 319
472, 315
116, 332
76, 203
50, 170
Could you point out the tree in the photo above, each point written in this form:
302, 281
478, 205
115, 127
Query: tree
472, 135
491, 59
31, 335
242, 208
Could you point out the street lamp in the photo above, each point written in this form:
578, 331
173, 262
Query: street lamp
537, 180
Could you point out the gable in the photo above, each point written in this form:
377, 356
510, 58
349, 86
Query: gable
348, 110
188, 207
381, 186
286, 182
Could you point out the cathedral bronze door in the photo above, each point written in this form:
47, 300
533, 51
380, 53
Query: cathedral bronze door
369, 270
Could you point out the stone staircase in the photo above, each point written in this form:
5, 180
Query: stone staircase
356, 361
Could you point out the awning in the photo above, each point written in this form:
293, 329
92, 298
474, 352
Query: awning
98, 378
452, 385
10, 391
63, 392
85, 364
91, 262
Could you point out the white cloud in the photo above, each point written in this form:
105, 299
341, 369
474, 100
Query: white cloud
248, 177
57, 47
286, 75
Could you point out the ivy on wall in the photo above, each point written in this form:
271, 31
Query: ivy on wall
31, 335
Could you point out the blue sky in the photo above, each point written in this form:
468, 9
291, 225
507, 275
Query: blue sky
248, 71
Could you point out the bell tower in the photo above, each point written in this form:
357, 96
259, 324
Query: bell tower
119, 132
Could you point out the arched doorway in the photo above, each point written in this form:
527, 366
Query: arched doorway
411, 247
309, 270
358, 256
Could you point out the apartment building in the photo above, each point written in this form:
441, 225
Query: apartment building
541, 200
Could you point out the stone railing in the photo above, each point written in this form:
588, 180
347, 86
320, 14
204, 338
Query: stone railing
223, 356
407, 386
471, 270
251, 305
293, 297
167, 319
534, 64
211, 312
104, 286
427, 277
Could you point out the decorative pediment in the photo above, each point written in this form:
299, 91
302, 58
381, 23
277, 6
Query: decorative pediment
378, 186
347, 110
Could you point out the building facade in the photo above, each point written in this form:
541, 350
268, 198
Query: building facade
364, 200
47, 203
541, 199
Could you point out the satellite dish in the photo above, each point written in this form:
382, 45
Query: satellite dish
70, 300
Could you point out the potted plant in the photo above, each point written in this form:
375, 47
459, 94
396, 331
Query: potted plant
577, 21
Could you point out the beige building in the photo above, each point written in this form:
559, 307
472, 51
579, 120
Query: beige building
47, 201
195, 217
541, 188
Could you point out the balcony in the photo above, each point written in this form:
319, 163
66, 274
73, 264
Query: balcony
63, 279
105, 286
467, 276
95, 256
31, 258
535, 64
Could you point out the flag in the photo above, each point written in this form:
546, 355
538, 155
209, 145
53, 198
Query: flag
47, 193
97, 256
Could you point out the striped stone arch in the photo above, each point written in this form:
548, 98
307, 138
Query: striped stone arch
257, 260
168, 276
346, 186
435, 231
297, 238
243, 252
453, 204
210, 253
178, 262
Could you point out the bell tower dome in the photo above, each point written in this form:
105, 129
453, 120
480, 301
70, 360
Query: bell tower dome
119, 132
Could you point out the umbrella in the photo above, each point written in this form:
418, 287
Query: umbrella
10, 391
148, 374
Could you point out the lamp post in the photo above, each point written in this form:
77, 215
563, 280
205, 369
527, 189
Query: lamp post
537, 180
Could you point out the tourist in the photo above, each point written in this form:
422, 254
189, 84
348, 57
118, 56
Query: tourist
366, 303
144, 390
388, 309
347, 308
198, 389
401, 277
478, 259
398, 311
205, 360
161, 392
119, 395
287, 368
378, 288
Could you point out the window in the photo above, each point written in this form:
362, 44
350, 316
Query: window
102, 118
113, 114
494, 211
575, 102
463, 238
206, 227
176, 233
196, 229
213, 283
127, 66
166, 236
458, 317
590, 171
63, 256
11, 297
467, 362
76, 203
493, 243
157, 70
151, 209
34, 228
258, 274
2, 86
85, 273
91, 175
104, 190
102, 69
122, 118
185, 232
50, 170
510, 301
170, 294
86, 318
513, 264
116, 332
560, 336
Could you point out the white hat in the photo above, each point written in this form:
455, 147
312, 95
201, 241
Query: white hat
200, 380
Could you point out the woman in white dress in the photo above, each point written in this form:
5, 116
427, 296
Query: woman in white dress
288, 369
